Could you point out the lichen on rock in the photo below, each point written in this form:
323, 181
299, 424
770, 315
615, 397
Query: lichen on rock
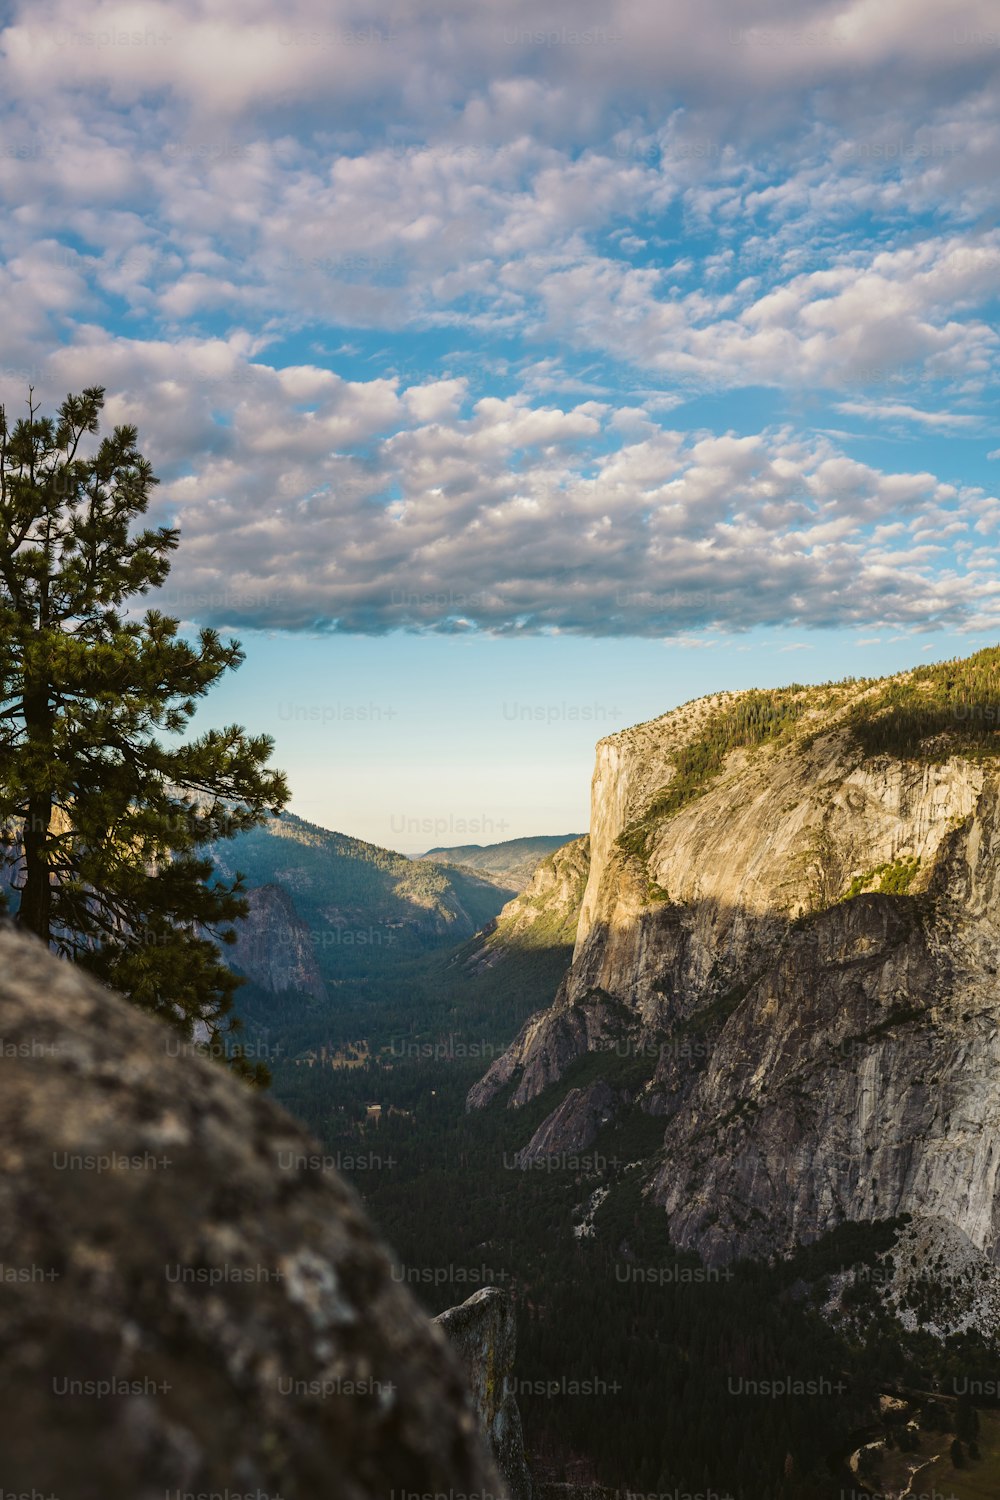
189, 1301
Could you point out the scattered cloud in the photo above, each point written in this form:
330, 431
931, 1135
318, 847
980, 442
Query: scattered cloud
483, 318
898, 411
318, 503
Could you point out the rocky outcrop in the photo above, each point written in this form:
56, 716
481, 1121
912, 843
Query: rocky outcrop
274, 947
573, 1126
805, 948
189, 1299
933, 1279
546, 912
548, 1043
484, 1332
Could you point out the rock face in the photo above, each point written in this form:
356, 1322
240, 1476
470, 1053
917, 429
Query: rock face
806, 949
484, 1332
274, 947
574, 1126
546, 912
548, 1043
189, 1299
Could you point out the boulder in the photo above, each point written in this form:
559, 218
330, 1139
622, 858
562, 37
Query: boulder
190, 1300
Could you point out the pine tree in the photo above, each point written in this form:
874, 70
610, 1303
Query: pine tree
107, 812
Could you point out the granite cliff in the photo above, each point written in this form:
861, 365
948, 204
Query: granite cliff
274, 947
787, 949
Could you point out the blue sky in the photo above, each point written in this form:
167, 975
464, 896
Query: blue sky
517, 372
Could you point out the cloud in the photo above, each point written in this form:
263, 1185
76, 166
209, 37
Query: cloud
859, 316
898, 411
237, 165
366, 506
516, 59
531, 242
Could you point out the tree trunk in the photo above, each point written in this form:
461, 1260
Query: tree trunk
35, 911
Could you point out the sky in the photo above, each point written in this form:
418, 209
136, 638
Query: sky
517, 372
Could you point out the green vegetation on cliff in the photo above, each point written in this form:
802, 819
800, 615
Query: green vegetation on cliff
935, 711
893, 879
754, 718
945, 708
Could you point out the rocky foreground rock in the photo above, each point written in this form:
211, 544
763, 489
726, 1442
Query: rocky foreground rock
484, 1332
190, 1301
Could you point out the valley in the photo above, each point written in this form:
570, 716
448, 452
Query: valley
703, 1091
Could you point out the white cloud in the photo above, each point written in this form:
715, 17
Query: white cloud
894, 310
496, 63
608, 214
486, 202
896, 411
357, 506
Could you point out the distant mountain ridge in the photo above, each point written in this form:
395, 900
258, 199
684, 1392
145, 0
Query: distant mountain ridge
544, 914
337, 907
511, 863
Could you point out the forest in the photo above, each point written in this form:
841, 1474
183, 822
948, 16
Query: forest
670, 1350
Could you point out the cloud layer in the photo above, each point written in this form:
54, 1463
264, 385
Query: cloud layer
328, 504
415, 315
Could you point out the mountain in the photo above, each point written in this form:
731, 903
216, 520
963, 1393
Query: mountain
544, 915
748, 1149
336, 907
783, 990
511, 863
454, 1005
